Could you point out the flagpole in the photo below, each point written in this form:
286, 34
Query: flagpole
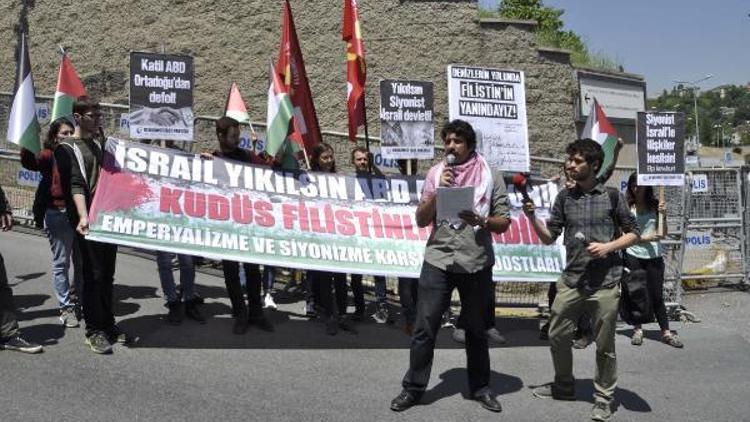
367, 135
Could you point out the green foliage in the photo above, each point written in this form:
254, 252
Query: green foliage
730, 113
550, 32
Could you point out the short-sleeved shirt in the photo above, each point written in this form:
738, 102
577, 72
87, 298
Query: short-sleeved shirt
463, 249
591, 214
648, 226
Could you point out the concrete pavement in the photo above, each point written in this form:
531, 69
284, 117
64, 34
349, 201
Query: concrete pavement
204, 372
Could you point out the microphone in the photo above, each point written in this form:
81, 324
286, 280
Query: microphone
450, 160
521, 183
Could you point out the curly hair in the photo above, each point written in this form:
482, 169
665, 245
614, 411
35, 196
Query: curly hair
590, 150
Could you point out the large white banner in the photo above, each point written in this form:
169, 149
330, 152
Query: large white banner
494, 102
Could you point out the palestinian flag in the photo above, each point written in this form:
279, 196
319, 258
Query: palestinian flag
601, 130
280, 115
69, 89
23, 128
235, 107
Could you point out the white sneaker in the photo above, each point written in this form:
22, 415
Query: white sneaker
68, 318
268, 301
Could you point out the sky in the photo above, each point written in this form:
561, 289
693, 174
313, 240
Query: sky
665, 40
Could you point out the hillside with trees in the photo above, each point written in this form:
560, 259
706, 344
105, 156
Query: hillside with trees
725, 109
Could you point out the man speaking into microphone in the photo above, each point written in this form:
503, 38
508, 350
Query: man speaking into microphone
457, 255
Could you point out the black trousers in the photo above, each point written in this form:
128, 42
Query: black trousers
433, 299
654, 269
328, 281
8, 322
254, 308
407, 296
358, 292
99, 260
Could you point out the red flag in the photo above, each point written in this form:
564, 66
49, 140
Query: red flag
356, 70
291, 68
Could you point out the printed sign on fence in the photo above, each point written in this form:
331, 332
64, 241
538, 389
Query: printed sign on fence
494, 102
660, 143
406, 129
28, 178
161, 96
168, 200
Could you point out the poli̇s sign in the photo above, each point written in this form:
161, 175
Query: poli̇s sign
698, 240
28, 178
379, 161
700, 183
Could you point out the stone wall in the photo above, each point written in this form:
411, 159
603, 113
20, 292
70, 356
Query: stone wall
233, 40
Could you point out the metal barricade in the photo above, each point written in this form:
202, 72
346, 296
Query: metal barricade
716, 235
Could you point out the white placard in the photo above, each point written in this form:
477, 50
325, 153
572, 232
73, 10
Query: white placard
493, 101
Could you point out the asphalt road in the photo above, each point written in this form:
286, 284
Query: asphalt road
204, 372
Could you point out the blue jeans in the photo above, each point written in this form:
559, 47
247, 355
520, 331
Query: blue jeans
64, 246
187, 275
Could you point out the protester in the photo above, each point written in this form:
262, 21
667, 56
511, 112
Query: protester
79, 160
583, 335
591, 216
645, 257
183, 301
10, 335
323, 160
49, 213
228, 136
457, 255
360, 159
175, 303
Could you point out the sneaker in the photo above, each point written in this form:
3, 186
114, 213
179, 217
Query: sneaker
268, 301
68, 318
601, 412
193, 312
116, 335
550, 391
19, 344
381, 315
673, 341
637, 339
99, 343
581, 343
263, 323
459, 335
447, 320
174, 317
494, 335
